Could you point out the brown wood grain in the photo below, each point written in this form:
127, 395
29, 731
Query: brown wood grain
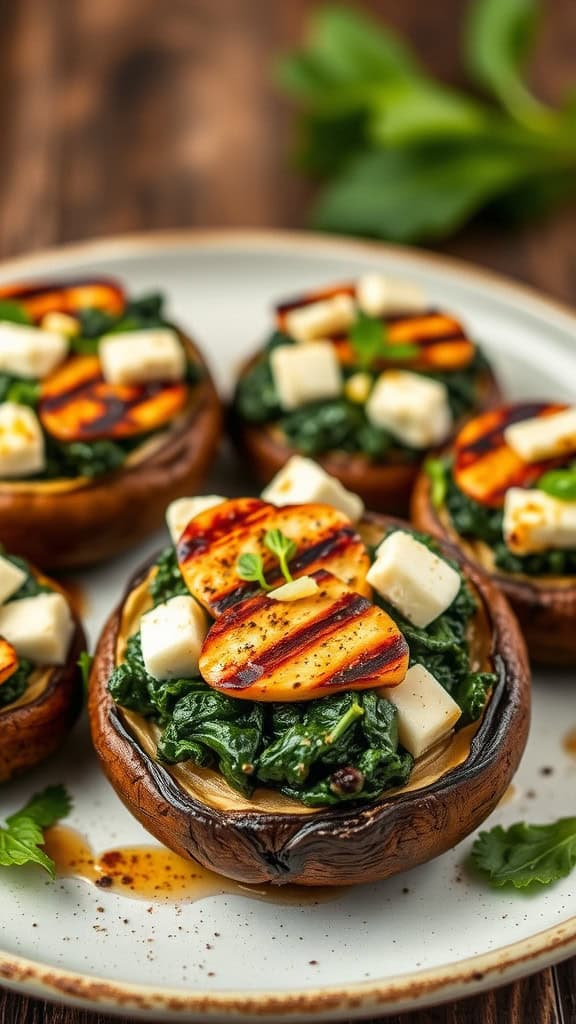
124, 115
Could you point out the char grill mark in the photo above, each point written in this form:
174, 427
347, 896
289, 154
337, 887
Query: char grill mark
485, 466
78, 404
314, 633
42, 297
212, 543
267, 650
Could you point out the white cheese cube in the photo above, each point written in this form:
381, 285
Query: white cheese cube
534, 521
39, 628
426, 712
543, 437
415, 409
30, 351
140, 357
413, 579
321, 319
182, 510
21, 441
172, 635
304, 586
11, 579
305, 374
302, 481
379, 295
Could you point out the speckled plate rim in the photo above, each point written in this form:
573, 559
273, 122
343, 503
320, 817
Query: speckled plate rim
401, 992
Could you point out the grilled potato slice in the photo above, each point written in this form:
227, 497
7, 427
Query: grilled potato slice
485, 467
211, 544
77, 404
267, 650
8, 660
440, 338
52, 297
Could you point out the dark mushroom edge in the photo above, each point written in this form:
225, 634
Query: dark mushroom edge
327, 846
32, 729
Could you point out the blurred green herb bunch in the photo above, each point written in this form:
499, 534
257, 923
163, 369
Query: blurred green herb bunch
408, 158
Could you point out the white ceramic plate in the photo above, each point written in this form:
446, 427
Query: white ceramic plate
434, 934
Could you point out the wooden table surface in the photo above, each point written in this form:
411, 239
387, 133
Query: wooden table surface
123, 115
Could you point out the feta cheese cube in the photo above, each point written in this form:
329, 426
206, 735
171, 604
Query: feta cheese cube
139, 357
543, 437
302, 481
321, 319
30, 351
426, 712
305, 374
534, 521
304, 586
21, 441
380, 295
11, 579
415, 409
39, 628
182, 510
413, 579
172, 635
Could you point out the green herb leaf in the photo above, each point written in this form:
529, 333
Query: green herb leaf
85, 665
24, 392
283, 548
409, 158
13, 313
347, 60
498, 40
22, 837
367, 338
419, 193
523, 855
437, 472
559, 483
45, 808
250, 568
419, 110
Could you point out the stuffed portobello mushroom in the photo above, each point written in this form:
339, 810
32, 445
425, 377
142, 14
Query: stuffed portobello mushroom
286, 695
506, 495
107, 411
41, 640
366, 378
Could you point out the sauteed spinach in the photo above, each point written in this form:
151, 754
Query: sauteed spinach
471, 519
338, 423
15, 686
324, 752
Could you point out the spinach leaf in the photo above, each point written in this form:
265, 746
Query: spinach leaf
131, 686
19, 390
323, 725
139, 314
12, 312
471, 519
168, 580
213, 728
16, 685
